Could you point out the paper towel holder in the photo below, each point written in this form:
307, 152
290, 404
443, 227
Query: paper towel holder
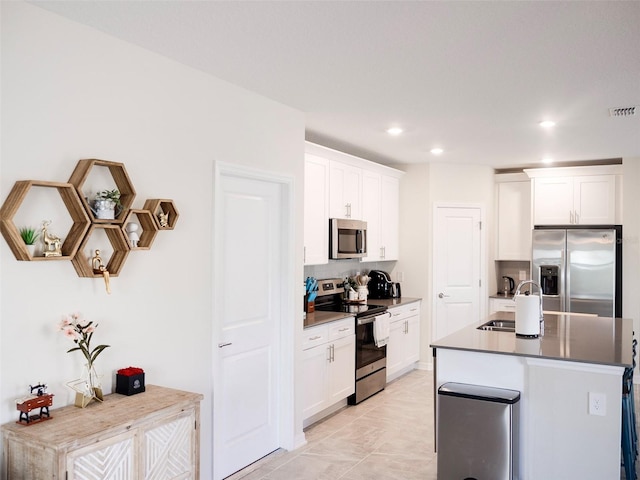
541, 318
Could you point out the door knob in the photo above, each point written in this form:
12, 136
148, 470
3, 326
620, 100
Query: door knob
442, 295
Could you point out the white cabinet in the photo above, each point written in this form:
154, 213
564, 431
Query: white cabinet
345, 191
501, 305
316, 210
146, 436
514, 220
403, 348
574, 200
380, 209
328, 364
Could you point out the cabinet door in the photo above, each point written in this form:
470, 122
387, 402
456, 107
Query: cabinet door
316, 210
371, 213
553, 201
169, 448
111, 459
514, 221
342, 376
345, 190
390, 217
315, 367
395, 347
594, 199
412, 336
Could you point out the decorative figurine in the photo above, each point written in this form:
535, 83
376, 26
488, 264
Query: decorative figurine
52, 243
132, 233
100, 269
163, 219
40, 399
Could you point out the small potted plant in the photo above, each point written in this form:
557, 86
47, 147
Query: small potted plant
107, 204
29, 236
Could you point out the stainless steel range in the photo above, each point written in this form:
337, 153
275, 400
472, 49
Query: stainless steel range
371, 360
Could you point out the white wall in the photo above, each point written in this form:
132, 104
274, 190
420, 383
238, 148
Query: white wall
70, 92
421, 187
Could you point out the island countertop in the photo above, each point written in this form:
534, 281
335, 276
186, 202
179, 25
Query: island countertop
574, 338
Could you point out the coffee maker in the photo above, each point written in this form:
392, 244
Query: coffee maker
381, 286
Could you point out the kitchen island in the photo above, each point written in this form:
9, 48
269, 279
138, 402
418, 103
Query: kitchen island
555, 373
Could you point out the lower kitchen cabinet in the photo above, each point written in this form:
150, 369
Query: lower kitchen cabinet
328, 364
501, 305
403, 348
150, 435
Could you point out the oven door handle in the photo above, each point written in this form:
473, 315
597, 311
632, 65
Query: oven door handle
371, 319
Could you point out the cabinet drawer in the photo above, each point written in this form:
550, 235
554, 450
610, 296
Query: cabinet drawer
315, 336
502, 305
404, 311
341, 328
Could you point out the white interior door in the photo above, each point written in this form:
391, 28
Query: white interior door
247, 320
456, 268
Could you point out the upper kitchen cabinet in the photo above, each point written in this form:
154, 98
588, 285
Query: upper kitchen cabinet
381, 211
355, 189
316, 210
345, 191
576, 195
514, 217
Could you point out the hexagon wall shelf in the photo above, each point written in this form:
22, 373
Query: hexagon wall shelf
157, 206
120, 245
120, 177
72, 203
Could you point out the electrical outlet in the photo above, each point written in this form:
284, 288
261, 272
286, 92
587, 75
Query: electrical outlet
597, 404
401, 276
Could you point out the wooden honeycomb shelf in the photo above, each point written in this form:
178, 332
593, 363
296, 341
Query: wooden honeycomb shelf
159, 205
120, 177
72, 203
118, 242
148, 225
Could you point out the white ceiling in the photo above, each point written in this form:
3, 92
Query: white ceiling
472, 77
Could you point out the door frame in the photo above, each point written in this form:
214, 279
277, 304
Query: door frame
285, 367
483, 258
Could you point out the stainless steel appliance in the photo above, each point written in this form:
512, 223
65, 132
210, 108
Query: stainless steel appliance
381, 286
371, 361
579, 269
347, 238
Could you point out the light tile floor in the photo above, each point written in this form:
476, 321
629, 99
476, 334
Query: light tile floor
388, 436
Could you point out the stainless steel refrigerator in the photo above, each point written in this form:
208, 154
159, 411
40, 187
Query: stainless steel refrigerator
579, 269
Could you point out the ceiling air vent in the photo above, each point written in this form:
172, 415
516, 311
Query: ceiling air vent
623, 111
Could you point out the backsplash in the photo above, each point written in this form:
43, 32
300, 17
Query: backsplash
346, 268
511, 269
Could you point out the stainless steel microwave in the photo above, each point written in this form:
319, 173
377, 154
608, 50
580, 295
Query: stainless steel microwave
347, 238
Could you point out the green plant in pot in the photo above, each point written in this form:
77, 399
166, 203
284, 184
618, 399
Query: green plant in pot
107, 204
30, 236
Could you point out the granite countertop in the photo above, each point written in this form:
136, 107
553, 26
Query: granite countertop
319, 317
575, 338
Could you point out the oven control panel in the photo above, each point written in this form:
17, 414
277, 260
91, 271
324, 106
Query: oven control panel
330, 286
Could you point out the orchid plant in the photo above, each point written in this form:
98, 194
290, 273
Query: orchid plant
81, 332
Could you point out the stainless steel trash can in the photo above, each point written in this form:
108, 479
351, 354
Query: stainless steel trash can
478, 432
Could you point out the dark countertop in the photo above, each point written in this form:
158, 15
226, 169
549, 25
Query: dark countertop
575, 338
502, 296
320, 317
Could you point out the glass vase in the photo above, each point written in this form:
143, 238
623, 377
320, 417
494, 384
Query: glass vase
88, 387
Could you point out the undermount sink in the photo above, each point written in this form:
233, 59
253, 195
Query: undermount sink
499, 326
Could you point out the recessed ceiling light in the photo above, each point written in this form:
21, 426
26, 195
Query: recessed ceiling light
394, 131
547, 160
437, 151
547, 124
